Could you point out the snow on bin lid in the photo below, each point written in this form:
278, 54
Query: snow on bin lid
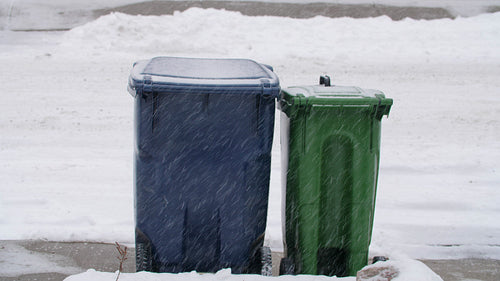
335, 95
205, 68
333, 92
173, 73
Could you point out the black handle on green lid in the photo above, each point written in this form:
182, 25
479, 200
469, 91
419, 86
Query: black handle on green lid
325, 80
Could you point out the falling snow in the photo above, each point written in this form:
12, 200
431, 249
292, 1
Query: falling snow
67, 121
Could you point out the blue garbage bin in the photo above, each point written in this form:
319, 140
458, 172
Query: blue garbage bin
204, 130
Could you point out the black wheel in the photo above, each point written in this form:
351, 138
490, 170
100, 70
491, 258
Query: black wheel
143, 253
287, 267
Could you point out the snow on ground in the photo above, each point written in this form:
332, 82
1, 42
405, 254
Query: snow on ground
401, 269
16, 259
67, 120
222, 275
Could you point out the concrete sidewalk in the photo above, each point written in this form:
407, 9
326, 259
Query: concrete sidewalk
41, 260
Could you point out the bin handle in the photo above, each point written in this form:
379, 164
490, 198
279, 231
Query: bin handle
325, 80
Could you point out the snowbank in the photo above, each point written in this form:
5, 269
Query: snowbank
402, 269
222, 275
343, 40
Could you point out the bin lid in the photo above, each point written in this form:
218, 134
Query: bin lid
335, 96
174, 74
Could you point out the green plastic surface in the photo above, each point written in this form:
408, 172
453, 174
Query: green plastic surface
331, 149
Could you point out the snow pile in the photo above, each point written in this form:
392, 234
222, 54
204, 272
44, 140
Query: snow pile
229, 34
399, 269
222, 275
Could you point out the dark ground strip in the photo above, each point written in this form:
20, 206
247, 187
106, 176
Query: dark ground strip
293, 10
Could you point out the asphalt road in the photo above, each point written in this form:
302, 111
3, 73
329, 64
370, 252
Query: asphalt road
293, 10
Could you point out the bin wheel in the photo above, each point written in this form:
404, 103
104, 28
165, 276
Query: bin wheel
143, 258
267, 261
287, 267
143, 252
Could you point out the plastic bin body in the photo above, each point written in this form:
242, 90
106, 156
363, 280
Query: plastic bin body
331, 149
204, 131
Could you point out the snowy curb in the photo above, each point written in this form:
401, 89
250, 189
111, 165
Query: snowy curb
401, 269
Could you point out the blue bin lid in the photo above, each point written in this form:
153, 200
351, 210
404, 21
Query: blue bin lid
173, 74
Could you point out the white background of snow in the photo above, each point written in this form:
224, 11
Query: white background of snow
67, 120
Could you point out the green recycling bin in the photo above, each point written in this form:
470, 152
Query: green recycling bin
330, 150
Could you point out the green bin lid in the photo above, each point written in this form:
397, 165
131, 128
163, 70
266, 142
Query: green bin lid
335, 96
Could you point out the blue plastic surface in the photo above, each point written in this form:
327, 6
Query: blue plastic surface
202, 163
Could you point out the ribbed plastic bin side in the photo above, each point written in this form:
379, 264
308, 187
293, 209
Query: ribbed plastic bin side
204, 130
